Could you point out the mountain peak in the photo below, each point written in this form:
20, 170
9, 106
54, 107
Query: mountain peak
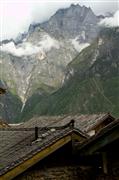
68, 22
72, 8
75, 5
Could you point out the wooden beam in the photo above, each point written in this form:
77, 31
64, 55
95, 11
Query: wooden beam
36, 158
101, 142
105, 162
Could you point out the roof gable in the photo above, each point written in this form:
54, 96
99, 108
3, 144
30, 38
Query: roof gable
27, 152
106, 136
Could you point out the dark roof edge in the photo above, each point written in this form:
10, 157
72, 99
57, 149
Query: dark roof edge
37, 150
101, 133
107, 115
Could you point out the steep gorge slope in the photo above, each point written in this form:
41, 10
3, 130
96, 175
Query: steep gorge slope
37, 62
91, 84
10, 106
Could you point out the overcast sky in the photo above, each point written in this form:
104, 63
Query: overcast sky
16, 15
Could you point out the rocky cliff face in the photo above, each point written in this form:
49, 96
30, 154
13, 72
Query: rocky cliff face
40, 59
91, 83
37, 60
73, 22
10, 105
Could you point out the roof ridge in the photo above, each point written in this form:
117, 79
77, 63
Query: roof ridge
36, 150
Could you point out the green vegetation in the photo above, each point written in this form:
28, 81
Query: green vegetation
89, 96
91, 85
10, 107
92, 88
35, 99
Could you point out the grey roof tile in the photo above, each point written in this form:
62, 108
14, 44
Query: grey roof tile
83, 122
17, 144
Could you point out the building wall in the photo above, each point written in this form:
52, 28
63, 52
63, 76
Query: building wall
58, 173
61, 165
113, 159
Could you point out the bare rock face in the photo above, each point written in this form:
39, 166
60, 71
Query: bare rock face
72, 22
38, 59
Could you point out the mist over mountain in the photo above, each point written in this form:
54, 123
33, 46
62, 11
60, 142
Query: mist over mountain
91, 83
36, 64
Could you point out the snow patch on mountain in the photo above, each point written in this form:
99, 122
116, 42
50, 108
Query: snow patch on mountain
111, 21
100, 41
77, 45
96, 54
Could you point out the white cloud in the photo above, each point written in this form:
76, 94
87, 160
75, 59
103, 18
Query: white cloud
47, 43
27, 49
17, 15
111, 21
14, 18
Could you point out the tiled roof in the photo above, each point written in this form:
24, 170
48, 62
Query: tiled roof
18, 145
11, 145
104, 131
83, 122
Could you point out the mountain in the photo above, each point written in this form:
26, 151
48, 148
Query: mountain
91, 83
73, 22
35, 63
10, 105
